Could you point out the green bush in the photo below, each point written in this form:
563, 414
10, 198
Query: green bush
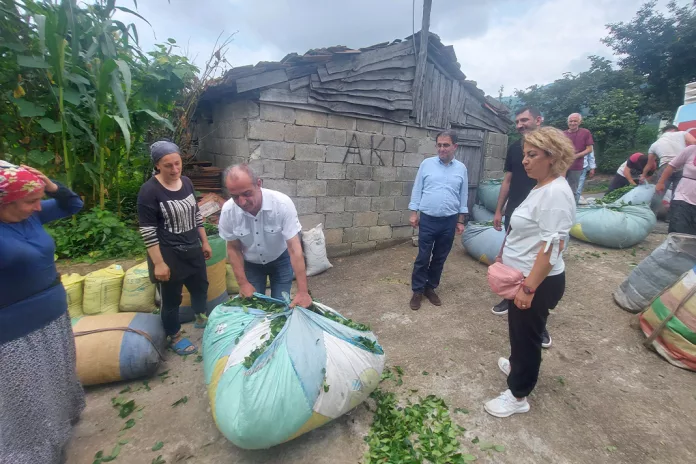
94, 236
611, 158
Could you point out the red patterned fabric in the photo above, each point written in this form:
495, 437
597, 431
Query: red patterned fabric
16, 183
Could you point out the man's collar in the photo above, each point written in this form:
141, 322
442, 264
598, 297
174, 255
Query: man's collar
265, 201
447, 164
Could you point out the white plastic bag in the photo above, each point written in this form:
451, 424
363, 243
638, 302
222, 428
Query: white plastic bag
315, 251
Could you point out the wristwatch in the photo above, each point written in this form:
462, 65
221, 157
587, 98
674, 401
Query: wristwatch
527, 290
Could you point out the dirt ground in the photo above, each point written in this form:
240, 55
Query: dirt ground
601, 397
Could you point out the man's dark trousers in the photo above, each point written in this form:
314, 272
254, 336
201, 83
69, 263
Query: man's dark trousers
435, 237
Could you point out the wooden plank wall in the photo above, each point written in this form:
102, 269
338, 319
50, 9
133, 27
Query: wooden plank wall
471, 153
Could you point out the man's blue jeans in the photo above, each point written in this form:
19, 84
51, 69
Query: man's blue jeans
581, 182
278, 271
435, 237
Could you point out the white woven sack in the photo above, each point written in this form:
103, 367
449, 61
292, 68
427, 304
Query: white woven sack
316, 260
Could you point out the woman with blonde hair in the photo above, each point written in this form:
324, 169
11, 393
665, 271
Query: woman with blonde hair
540, 228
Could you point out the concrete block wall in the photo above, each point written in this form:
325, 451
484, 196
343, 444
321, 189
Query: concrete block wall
495, 147
352, 175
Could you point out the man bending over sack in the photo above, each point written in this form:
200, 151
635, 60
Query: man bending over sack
261, 229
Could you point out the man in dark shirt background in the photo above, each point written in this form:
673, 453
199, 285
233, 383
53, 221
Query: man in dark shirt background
516, 186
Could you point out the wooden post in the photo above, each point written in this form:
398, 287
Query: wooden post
422, 59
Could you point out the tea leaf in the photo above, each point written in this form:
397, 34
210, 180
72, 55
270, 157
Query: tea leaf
183, 400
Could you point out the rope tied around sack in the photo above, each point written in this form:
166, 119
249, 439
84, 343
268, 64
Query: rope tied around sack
123, 329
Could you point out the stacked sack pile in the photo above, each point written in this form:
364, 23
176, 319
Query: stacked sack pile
663, 289
480, 239
116, 337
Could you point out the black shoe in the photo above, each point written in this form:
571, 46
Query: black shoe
432, 296
545, 339
416, 301
501, 308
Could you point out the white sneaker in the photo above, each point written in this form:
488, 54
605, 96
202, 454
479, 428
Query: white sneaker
504, 365
506, 405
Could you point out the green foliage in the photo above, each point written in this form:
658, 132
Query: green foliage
95, 235
80, 100
210, 229
661, 47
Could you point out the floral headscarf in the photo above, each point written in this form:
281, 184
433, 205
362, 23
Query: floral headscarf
16, 183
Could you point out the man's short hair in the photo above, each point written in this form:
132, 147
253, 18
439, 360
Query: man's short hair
669, 128
448, 133
245, 169
575, 114
533, 111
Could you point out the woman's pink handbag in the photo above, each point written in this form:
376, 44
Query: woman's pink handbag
504, 280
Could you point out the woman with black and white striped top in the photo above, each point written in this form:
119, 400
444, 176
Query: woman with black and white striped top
172, 227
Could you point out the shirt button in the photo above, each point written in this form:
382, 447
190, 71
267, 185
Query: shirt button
257, 233
258, 244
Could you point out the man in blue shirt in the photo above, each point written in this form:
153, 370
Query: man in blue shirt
440, 193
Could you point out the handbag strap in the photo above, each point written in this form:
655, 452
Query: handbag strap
500, 253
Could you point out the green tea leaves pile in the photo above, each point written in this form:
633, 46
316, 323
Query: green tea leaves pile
413, 432
276, 326
616, 194
276, 311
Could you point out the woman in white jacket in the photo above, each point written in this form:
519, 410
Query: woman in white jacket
539, 232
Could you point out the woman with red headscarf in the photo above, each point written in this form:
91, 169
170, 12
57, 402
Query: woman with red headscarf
40, 396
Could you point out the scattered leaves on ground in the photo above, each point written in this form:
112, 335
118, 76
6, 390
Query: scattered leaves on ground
561, 380
129, 424
461, 410
158, 446
158, 460
199, 358
125, 407
611, 448
125, 390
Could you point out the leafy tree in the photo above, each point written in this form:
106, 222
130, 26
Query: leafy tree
79, 97
609, 99
661, 47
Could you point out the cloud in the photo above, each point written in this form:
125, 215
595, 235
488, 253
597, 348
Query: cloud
541, 44
269, 29
498, 42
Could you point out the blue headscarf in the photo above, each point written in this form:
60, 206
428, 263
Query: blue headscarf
159, 150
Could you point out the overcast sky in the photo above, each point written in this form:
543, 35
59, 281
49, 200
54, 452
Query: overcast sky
512, 43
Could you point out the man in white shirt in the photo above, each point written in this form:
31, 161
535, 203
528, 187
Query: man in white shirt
261, 228
670, 144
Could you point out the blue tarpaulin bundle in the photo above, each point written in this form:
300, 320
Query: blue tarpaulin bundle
315, 369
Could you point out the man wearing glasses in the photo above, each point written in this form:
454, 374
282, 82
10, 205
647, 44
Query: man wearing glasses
440, 193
